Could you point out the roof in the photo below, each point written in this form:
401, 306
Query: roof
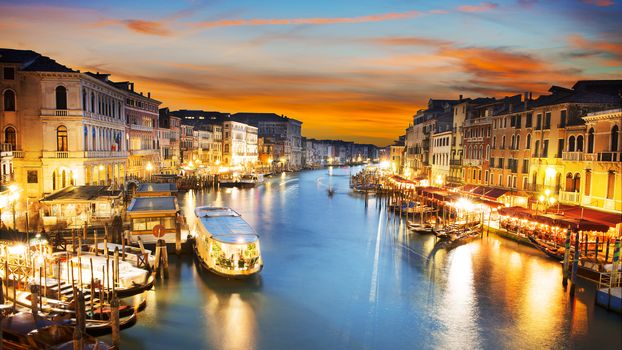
152, 204
82, 193
32, 61
255, 118
597, 216
24, 322
157, 187
226, 225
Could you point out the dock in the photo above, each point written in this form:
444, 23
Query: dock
611, 299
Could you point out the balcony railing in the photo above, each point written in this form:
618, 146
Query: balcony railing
472, 162
6, 147
455, 162
609, 156
454, 179
18, 154
573, 156
569, 197
84, 154
61, 112
143, 152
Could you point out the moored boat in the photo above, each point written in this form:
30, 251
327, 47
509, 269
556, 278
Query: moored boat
226, 244
551, 251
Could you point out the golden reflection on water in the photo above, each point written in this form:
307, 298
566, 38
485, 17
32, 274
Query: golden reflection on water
458, 311
231, 321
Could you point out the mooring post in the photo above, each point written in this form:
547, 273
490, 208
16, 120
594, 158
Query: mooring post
575, 263
566, 258
114, 319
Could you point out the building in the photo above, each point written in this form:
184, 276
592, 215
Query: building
65, 127
239, 145
170, 156
397, 154
441, 155
142, 114
282, 139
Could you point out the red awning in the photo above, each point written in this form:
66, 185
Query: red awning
495, 193
588, 214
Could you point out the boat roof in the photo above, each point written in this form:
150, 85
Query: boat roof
152, 204
23, 322
157, 187
226, 225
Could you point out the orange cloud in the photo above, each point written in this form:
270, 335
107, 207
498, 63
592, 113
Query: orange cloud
600, 3
317, 20
483, 7
597, 47
146, 27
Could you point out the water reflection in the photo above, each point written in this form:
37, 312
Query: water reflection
339, 274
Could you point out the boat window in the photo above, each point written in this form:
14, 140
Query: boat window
139, 224
168, 222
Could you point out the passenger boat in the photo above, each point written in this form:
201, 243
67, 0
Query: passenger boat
228, 180
250, 180
225, 244
421, 228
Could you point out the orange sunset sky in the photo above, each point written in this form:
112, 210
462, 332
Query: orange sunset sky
352, 70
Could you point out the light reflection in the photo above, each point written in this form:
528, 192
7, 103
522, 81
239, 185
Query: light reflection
231, 321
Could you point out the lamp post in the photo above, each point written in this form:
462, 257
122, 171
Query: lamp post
149, 168
546, 200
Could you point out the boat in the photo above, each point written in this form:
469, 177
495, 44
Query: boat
550, 250
228, 180
250, 180
421, 228
225, 244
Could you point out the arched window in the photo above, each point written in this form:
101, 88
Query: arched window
84, 100
615, 133
590, 141
517, 142
54, 181
61, 97
93, 102
528, 142
9, 136
481, 152
61, 139
9, 100
571, 144
63, 179
513, 142
487, 154
503, 142
569, 183
580, 143
494, 142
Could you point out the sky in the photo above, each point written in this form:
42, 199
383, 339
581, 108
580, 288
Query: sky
348, 69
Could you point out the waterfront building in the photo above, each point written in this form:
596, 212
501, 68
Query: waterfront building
397, 151
592, 167
187, 143
142, 113
239, 145
529, 141
65, 127
169, 129
441, 155
281, 136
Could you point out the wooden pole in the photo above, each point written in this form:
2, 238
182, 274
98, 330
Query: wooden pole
114, 320
95, 240
123, 246
607, 243
73, 241
575, 264
566, 259
92, 286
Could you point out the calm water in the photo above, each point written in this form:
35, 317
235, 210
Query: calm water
340, 275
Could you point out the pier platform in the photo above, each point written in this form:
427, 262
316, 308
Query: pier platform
611, 301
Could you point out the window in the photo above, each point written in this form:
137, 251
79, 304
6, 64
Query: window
611, 182
539, 121
84, 99
545, 148
536, 150
571, 144
500, 162
9, 136
9, 100
514, 181
494, 142
500, 180
61, 139
590, 141
560, 148
528, 142
528, 120
503, 142
486, 176
615, 133
524, 182
32, 177
517, 142
547, 120
61, 97
562, 119
518, 121
9, 73
92, 102
580, 143
525, 166
513, 145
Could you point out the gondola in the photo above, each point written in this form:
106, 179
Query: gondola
551, 252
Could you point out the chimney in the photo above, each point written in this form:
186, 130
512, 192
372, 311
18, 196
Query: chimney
460, 99
149, 94
141, 93
525, 96
530, 95
132, 86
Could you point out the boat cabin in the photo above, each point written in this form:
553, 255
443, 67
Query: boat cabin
151, 215
156, 190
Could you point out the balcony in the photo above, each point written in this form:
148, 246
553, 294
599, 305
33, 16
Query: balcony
140, 127
18, 154
457, 162
84, 154
573, 156
454, 179
472, 162
143, 152
61, 113
609, 156
569, 197
601, 203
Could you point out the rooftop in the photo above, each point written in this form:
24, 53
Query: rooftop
157, 187
81, 193
154, 204
32, 61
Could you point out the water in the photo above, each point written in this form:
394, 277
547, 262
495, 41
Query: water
340, 275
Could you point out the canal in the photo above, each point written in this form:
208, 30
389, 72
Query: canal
342, 275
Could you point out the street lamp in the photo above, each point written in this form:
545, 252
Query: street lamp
149, 168
546, 200
439, 181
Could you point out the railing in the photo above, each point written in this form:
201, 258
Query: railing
601, 202
455, 162
56, 154
454, 179
573, 156
472, 162
140, 127
105, 154
84, 154
143, 152
609, 156
18, 154
6, 147
589, 157
569, 197
62, 112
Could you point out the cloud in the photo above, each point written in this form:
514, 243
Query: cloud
599, 3
482, 7
311, 21
410, 41
146, 27
602, 48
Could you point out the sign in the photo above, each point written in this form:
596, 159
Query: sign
158, 231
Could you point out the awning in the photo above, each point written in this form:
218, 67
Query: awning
495, 193
468, 188
588, 214
562, 221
